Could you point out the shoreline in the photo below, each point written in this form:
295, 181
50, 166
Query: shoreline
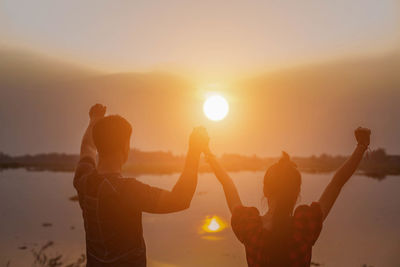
376, 165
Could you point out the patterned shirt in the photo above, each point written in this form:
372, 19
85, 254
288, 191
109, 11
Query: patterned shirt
306, 227
112, 209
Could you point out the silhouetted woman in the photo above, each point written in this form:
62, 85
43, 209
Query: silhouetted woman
282, 237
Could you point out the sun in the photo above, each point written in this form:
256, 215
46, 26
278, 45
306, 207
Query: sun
216, 107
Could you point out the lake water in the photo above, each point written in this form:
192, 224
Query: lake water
362, 228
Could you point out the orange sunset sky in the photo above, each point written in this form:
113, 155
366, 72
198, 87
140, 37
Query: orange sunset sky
298, 76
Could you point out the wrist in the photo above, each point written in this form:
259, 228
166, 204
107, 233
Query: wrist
362, 146
94, 120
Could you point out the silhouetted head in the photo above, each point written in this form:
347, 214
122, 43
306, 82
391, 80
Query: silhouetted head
111, 136
282, 183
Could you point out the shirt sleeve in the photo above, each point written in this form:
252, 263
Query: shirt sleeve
308, 221
85, 166
140, 196
246, 224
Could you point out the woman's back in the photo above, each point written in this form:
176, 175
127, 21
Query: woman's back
305, 227
285, 240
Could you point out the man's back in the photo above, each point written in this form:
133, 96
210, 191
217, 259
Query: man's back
112, 211
112, 206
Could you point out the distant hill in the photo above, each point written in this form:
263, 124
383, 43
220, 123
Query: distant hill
303, 110
318, 105
44, 102
21, 68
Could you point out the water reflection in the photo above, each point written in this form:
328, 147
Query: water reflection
179, 239
212, 227
213, 224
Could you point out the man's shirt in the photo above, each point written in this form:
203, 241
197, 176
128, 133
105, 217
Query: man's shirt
112, 209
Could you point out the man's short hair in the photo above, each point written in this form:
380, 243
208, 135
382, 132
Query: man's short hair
111, 134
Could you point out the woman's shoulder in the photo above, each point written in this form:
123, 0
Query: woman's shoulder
246, 222
312, 211
249, 216
308, 222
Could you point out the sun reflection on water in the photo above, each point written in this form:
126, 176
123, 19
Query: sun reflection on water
213, 224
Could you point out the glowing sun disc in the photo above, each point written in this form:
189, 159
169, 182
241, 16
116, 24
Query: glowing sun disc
216, 107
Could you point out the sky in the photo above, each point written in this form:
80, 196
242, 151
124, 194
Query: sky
205, 42
208, 39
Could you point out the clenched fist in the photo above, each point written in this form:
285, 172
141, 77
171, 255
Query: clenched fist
363, 136
97, 112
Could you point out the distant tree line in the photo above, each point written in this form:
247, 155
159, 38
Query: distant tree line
376, 163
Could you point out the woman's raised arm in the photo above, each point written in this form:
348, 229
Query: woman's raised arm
231, 193
333, 189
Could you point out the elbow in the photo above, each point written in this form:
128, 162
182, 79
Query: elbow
184, 204
75, 183
177, 203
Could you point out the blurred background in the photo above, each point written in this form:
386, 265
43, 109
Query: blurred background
299, 76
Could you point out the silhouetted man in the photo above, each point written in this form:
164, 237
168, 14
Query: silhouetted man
111, 205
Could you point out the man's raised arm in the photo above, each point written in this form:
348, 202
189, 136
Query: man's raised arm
87, 157
88, 148
181, 195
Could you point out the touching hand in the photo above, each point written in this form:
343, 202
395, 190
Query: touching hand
97, 112
210, 157
363, 136
198, 141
